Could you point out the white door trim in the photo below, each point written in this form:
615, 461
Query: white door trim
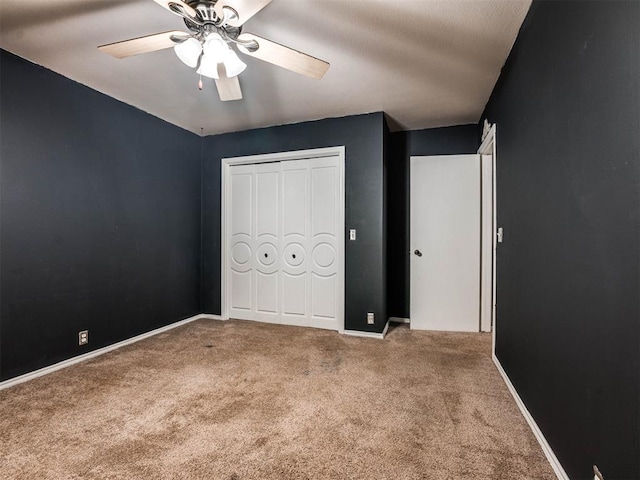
311, 154
488, 147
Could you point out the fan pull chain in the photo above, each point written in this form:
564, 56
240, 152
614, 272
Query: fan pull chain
200, 83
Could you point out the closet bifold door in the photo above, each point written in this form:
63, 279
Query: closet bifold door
267, 242
283, 231
296, 226
310, 234
253, 239
325, 233
240, 211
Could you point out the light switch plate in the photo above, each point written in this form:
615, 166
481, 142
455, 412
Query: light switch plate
352, 234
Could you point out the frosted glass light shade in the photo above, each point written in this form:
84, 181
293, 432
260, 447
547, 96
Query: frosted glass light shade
215, 47
208, 67
189, 51
233, 65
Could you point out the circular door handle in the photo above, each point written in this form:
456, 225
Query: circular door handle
417, 253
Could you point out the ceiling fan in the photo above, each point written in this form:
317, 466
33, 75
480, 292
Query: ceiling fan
214, 27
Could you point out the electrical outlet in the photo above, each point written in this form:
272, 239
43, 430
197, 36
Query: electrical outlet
370, 318
83, 337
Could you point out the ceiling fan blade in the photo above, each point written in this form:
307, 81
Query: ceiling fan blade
136, 46
182, 5
228, 88
284, 57
244, 9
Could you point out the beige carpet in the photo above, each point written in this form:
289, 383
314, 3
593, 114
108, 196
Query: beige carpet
240, 400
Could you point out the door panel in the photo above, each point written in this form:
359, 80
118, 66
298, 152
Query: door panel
323, 247
241, 291
241, 201
267, 190
323, 200
295, 242
241, 242
445, 229
267, 241
294, 296
294, 198
323, 301
267, 293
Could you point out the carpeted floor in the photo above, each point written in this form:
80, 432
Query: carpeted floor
241, 400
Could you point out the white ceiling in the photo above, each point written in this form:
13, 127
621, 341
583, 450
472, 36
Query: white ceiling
426, 63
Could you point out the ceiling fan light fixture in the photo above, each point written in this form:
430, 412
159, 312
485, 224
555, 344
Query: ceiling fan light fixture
215, 47
233, 65
208, 67
189, 51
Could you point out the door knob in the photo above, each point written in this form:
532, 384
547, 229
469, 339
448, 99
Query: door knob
417, 253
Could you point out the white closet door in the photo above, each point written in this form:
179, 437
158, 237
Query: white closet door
296, 226
326, 232
254, 275
284, 231
267, 242
241, 243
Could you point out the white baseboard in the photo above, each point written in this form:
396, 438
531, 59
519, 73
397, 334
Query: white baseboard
208, 316
546, 448
358, 333
100, 351
399, 320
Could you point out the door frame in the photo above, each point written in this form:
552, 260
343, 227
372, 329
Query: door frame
310, 154
489, 147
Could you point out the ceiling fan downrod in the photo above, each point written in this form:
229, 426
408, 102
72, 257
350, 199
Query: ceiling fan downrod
207, 21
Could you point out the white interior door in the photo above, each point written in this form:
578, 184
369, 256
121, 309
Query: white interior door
445, 243
284, 231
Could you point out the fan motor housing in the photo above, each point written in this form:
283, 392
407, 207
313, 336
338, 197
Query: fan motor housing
210, 19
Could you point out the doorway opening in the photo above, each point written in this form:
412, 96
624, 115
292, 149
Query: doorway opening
452, 241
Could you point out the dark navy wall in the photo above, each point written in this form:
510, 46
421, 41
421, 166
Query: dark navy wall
100, 219
402, 145
567, 108
365, 260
